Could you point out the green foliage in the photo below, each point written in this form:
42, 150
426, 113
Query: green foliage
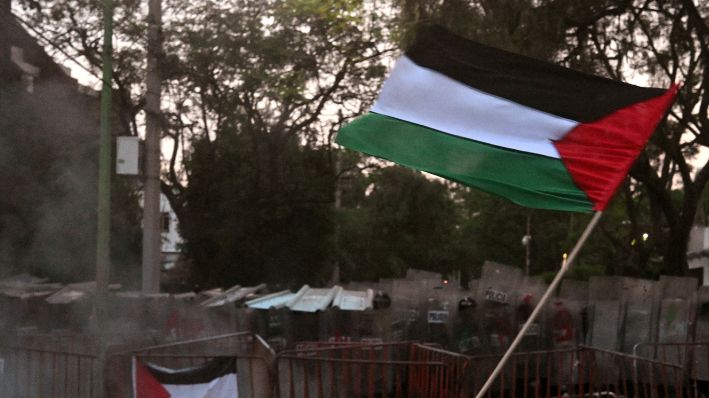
259, 192
126, 233
654, 42
48, 212
256, 90
534, 28
495, 228
659, 42
406, 220
253, 90
246, 227
579, 272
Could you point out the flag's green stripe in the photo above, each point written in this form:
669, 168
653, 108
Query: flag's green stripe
524, 178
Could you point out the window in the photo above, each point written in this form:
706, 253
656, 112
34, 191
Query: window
165, 221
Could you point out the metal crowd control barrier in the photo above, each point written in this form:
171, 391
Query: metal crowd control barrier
678, 353
29, 369
39, 372
581, 372
693, 356
403, 369
34, 366
254, 362
450, 380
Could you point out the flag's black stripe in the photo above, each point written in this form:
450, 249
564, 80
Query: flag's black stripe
204, 373
527, 81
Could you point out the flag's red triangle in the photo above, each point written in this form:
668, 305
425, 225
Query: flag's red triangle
598, 155
146, 386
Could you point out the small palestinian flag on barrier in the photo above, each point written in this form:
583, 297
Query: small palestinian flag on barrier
539, 134
213, 379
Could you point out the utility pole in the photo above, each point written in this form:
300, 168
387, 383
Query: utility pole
103, 232
103, 210
338, 205
151, 188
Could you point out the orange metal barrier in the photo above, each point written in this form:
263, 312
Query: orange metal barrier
402, 369
74, 367
681, 354
693, 356
450, 380
365, 370
254, 362
419, 370
581, 372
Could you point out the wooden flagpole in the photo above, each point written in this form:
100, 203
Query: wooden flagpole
552, 287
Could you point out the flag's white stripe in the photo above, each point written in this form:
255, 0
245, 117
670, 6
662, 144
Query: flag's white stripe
223, 387
429, 98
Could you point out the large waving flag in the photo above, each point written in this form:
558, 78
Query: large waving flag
213, 379
536, 133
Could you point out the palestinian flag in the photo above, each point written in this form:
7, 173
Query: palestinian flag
539, 134
213, 379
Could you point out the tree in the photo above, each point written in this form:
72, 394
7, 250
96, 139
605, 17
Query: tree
241, 231
253, 106
254, 91
663, 42
405, 220
494, 228
657, 42
49, 158
262, 107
